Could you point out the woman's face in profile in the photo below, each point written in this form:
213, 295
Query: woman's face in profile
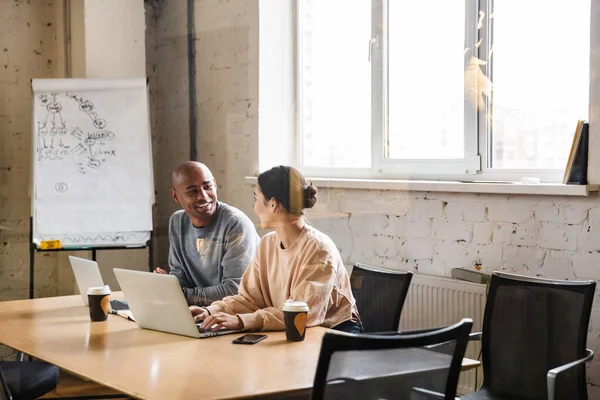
262, 209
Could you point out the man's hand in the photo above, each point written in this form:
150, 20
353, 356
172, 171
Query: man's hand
198, 313
221, 320
159, 270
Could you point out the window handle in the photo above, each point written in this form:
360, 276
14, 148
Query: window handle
372, 42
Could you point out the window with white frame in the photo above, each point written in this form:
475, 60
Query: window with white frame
440, 89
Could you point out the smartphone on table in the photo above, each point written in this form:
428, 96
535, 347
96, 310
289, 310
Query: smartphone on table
249, 339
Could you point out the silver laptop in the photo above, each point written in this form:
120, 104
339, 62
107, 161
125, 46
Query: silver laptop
87, 274
157, 302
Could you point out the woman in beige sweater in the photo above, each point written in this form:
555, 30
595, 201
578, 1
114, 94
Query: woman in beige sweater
296, 262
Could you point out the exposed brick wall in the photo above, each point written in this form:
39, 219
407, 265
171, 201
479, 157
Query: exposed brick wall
27, 50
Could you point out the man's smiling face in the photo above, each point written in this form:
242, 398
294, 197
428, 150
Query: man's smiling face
195, 190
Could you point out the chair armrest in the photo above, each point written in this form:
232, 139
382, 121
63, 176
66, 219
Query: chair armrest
429, 393
589, 354
475, 336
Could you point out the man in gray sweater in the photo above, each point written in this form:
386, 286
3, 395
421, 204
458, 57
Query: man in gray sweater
211, 243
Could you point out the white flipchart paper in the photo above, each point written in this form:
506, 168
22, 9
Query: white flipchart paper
92, 175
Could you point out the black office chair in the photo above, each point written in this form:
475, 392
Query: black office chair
404, 366
27, 380
534, 337
380, 296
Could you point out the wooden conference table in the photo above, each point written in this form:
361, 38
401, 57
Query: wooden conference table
155, 365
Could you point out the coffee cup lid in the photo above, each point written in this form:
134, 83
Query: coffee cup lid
295, 306
99, 290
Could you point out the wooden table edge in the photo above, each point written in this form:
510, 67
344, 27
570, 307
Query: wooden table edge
76, 373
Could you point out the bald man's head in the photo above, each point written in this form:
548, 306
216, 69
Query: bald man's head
189, 168
195, 189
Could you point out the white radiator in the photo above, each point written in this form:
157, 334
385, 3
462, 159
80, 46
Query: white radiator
434, 301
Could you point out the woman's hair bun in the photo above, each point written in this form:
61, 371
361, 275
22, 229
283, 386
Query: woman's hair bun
310, 196
289, 187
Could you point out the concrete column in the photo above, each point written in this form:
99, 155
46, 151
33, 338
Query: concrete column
108, 40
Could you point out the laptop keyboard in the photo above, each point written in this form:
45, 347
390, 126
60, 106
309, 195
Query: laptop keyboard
118, 305
204, 330
210, 330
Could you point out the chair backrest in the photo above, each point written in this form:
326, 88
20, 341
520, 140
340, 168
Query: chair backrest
390, 367
380, 296
530, 326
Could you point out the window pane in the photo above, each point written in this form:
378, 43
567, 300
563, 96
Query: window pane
335, 87
426, 47
540, 80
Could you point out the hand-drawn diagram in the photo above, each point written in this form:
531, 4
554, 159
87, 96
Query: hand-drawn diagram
57, 139
61, 187
53, 123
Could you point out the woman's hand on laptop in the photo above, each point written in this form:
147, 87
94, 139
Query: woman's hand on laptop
159, 270
221, 320
199, 313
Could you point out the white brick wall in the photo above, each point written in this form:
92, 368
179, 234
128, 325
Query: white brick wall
548, 211
503, 233
509, 212
482, 233
417, 250
526, 234
424, 208
555, 237
559, 264
452, 230
559, 236
587, 266
437, 229
490, 258
399, 226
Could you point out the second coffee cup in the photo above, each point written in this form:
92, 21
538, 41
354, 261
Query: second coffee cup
99, 301
295, 314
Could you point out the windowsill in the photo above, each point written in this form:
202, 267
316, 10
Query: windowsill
547, 189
